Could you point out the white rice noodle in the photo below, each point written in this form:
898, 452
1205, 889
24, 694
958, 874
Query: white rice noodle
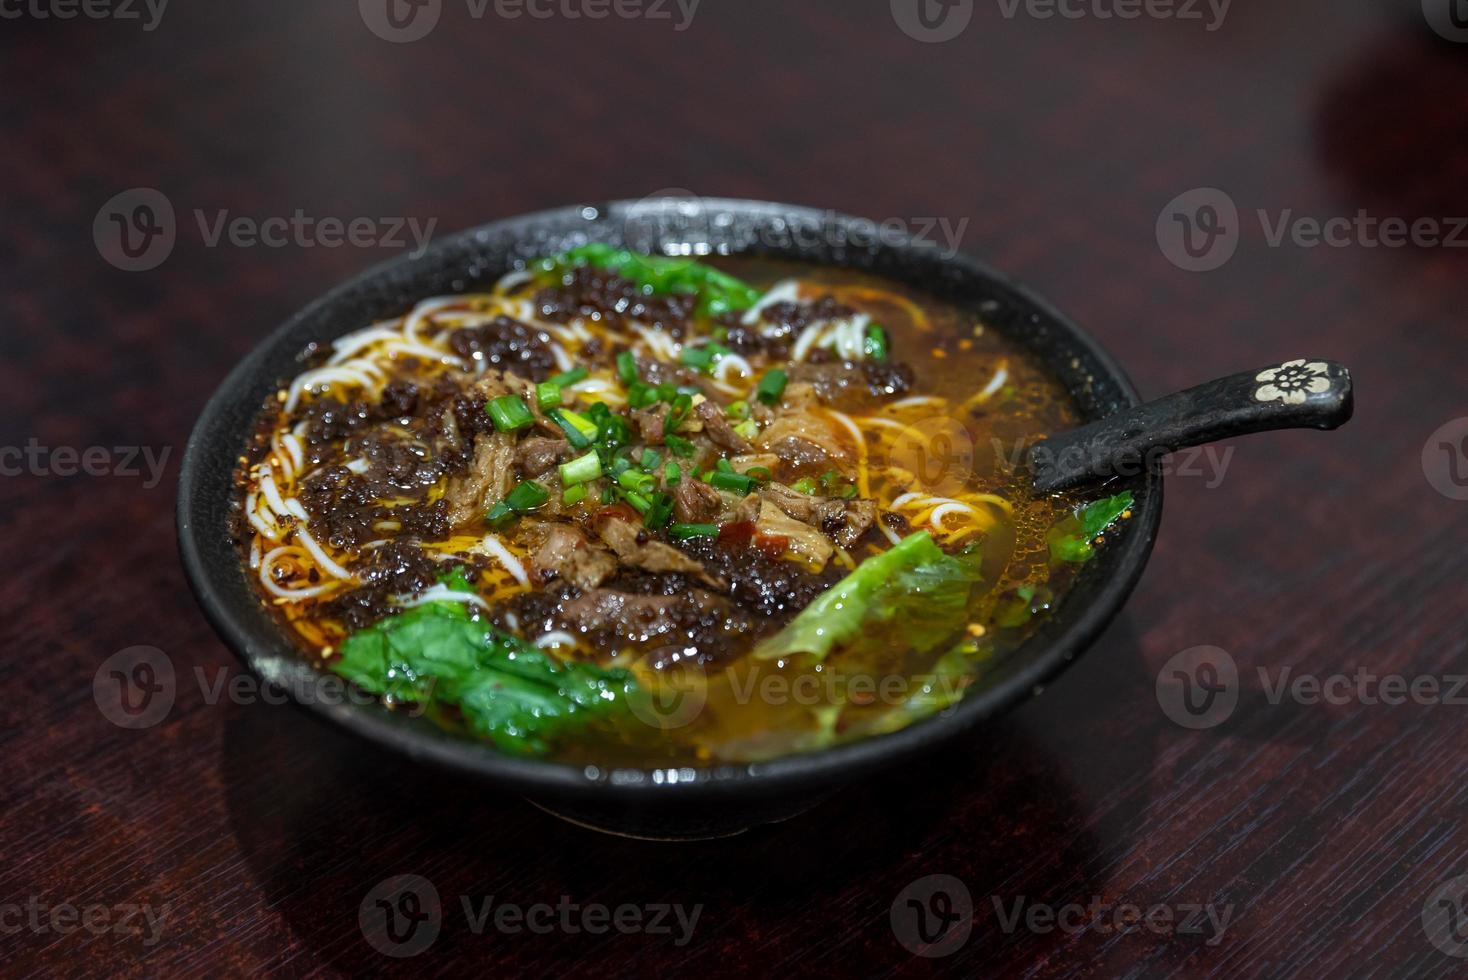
660, 342
298, 455
784, 291
357, 374
563, 360
913, 401
442, 593
255, 553
322, 558
347, 347
273, 499
732, 362
555, 638
294, 508
995, 383
891, 534
358, 466
423, 311
943, 510
421, 351
848, 338
267, 577
510, 280
495, 548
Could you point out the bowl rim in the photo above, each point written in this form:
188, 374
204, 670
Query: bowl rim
275, 661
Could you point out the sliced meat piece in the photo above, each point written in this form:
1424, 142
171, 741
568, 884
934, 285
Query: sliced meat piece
802, 506
491, 475
717, 426
565, 553
810, 428
809, 543
859, 517
633, 547
801, 457
650, 421
695, 502
537, 454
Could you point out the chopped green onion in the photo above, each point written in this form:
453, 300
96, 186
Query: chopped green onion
682, 532
548, 395
703, 358
876, 344
627, 367
772, 386
724, 466
638, 501
805, 485
737, 410
682, 405
574, 495
583, 469
679, 446
659, 511
650, 460
640, 394
619, 465
510, 413
569, 378
737, 482
848, 492
748, 429
672, 474
760, 473
527, 496
606, 495
635, 480
579, 432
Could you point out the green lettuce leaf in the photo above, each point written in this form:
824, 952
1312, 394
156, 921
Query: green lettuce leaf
913, 588
1071, 539
508, 691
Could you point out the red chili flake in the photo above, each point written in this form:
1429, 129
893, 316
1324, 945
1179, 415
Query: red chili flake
738, 532
772, 545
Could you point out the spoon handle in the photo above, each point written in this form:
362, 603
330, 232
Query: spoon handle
1297, 394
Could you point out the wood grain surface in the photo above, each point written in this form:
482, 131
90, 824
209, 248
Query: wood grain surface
1329, 835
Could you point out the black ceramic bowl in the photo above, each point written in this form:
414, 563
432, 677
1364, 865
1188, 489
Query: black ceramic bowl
653, 803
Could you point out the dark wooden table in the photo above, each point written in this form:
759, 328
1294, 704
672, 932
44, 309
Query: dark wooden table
1329, 834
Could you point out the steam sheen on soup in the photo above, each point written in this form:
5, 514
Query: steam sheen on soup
632, 510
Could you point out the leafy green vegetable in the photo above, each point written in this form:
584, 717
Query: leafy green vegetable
1071, 539
718, 292
913, 587
507, 690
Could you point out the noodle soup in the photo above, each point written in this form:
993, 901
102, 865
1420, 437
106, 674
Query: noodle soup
628, 510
